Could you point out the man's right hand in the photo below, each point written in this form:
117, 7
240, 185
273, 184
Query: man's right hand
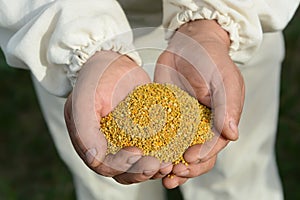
105, 80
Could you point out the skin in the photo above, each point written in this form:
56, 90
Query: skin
107, 74
120, 75
227, 104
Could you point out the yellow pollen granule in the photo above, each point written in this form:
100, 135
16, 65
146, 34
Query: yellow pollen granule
160, 119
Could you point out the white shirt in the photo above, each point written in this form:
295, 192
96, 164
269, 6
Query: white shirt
54, 38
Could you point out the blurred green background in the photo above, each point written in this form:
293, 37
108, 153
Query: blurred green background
30, 168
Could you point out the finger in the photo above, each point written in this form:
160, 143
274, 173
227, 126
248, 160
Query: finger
71, 125
201, 168
180, 170
173, 181
202, 152
86, 131
165, 169
142, 170
165, 71
115, 164
194, 170
227, 99
78, 146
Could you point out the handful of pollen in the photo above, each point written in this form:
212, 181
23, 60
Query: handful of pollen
160, 119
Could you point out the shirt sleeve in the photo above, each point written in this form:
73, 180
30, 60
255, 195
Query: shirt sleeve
244, 20
54, 38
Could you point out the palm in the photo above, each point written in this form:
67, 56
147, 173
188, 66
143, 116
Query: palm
203, 67
102, 83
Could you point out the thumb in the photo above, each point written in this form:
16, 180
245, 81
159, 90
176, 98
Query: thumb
85, 117
227, 101
164, 69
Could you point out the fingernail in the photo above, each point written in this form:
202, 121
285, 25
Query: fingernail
133, 159
148, 172
183, 173
90, 155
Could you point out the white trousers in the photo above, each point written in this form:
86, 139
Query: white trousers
245, 170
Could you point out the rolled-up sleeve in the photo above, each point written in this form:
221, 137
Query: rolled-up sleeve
244, 20
55, 38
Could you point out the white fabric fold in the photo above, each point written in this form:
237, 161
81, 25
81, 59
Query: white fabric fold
204, 13
60, 36
245, 21
80, 56
54, 38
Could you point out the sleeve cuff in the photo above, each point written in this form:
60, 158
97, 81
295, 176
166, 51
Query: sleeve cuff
225, 22
80, 56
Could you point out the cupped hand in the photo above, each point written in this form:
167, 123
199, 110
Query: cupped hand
197, 60
105, 80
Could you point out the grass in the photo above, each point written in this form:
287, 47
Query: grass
30, 168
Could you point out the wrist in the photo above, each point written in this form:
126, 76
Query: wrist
103, 59
206, 31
